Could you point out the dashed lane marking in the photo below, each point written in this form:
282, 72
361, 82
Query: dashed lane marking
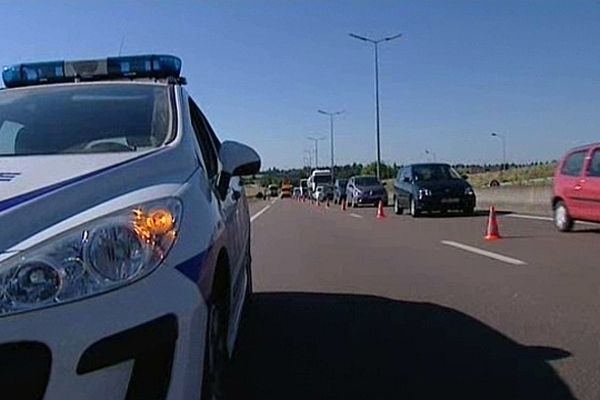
485, 253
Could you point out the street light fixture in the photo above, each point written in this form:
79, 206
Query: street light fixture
432, 154
331, 115
316, 140
503, 148
376, 46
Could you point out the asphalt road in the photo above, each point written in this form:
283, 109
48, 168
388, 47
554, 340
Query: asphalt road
354, 307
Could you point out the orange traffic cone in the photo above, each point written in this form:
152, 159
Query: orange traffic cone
343, 207
492, 232
380, 213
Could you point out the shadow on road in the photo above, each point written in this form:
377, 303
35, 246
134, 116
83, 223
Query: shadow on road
330, 346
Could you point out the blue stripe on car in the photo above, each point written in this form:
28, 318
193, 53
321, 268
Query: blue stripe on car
191, 267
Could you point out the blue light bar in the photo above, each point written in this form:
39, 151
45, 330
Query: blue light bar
146, 66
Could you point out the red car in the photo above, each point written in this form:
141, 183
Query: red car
577, 187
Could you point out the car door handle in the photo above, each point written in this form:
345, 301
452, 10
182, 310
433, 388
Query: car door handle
578, 187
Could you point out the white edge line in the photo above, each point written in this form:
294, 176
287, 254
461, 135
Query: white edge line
355, 215
485, 253
260, 212
541, 218
524, 216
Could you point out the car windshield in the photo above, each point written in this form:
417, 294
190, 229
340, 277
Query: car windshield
366, 181
86, 118
322, 178
434, 172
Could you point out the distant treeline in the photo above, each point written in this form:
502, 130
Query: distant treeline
276, 175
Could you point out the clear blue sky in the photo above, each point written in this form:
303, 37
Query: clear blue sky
261, 69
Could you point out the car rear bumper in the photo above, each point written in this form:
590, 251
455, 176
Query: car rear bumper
146, 338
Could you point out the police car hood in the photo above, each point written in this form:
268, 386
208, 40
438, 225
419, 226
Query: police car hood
37, 192
22, 175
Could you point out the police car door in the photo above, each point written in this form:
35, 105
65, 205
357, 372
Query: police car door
230, 204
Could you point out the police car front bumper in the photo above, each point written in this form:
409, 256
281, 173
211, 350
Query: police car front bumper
141, 341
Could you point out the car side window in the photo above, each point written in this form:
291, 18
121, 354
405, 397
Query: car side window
399, 175
205, 142
405, 174
574, 163
595, 164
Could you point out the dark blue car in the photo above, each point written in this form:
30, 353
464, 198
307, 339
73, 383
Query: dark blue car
432, 187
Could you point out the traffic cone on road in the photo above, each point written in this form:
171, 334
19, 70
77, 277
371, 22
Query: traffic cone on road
492, 232
343, 205
380, 213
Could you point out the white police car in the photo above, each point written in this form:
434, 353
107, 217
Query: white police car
124, 240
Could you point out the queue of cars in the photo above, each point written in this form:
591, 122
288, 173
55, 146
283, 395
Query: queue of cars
437, 187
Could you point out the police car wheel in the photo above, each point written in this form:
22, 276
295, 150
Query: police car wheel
216, 357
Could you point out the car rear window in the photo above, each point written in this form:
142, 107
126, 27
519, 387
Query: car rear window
84, 118
574, 163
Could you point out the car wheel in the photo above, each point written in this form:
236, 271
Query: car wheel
413, 208
562, 219
469, 211
216, 356
397, 209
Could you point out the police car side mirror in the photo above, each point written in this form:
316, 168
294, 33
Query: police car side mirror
237, 160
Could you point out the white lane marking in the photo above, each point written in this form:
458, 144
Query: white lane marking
484, 253
260, 212
355, 215
524, 216
540, 218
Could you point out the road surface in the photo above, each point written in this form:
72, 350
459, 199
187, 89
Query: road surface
354, 307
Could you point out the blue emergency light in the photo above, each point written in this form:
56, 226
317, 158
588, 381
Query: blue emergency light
146, 66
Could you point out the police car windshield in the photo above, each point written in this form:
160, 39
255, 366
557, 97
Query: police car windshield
84, 118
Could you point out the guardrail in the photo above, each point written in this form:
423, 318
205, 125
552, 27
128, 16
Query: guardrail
525, 199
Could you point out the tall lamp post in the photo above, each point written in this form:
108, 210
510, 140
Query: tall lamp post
376, 47
331, 115
503, 149
316, 141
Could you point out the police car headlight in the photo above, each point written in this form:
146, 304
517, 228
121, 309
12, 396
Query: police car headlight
101, 255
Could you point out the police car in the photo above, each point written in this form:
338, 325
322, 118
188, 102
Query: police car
124, 240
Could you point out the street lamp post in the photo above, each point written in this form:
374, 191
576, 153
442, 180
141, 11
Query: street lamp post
331, 115
376, 46
503, 148
316, 141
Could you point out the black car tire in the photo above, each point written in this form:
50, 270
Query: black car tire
469, 211
397, 209
216, 356
413, 208
562, 218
